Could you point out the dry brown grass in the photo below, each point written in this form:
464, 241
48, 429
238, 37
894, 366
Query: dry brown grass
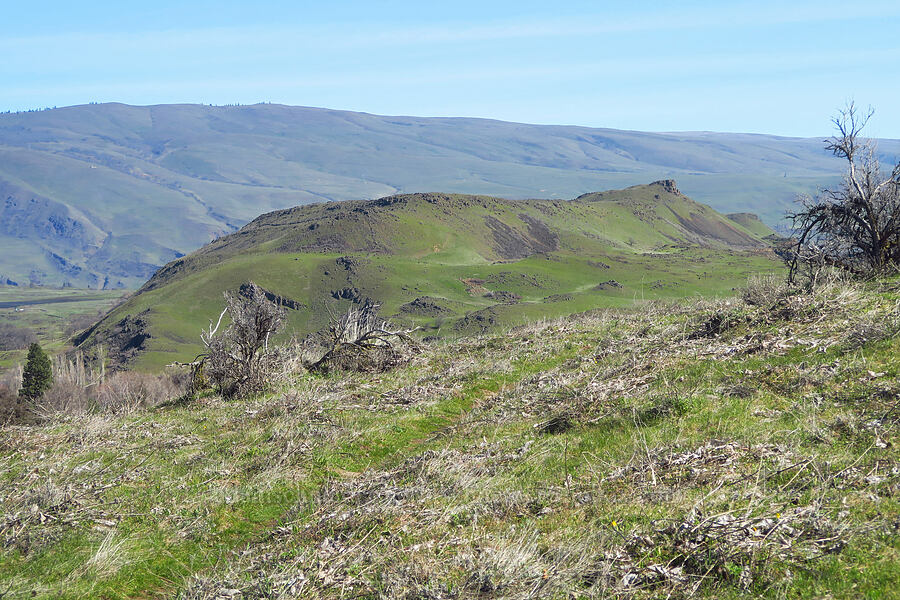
76, 392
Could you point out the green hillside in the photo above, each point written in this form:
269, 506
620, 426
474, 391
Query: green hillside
752, 223
693, 449
452, 264
102, 195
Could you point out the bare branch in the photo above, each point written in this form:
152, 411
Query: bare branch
360, 340
237, 359
857, 226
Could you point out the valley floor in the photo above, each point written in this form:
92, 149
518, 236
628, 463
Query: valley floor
52, 314
730, 448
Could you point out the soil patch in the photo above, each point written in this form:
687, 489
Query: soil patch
475, 287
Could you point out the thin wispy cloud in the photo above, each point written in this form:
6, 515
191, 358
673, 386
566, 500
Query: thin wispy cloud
739, 65
337, 36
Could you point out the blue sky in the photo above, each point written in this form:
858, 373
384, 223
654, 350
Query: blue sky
769, 67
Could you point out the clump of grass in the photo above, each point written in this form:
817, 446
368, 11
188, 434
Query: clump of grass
765, 290
111, 556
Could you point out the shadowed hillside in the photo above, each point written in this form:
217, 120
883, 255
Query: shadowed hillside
450, 263
102, 195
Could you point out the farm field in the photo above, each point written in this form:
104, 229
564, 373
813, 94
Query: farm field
53, 315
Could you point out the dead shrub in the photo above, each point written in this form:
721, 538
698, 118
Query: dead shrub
15, 338
128, 391
360, 340
744, 550
856, 226
73, 387
716, 324
747, 551
122, 392
13, 410
869, 330
65, 397
765, 290
238, 361
11, 379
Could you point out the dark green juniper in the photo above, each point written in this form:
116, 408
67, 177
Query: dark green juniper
38, 376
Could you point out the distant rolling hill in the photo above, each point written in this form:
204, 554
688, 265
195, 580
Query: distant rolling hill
102, 195
450, 263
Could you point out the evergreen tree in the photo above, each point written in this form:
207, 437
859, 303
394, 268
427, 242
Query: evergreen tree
38, 376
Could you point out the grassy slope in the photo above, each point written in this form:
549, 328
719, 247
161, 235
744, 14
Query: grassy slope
427, 246
621, 453
752, 223
120, 171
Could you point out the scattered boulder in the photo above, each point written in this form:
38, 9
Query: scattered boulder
425, 306
277, 299
605, 285
504, 297
478, 321
597, 264
348, 293
668, 185
124, 341
348, 263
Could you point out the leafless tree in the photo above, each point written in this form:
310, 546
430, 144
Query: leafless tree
360, 340
237, 360
855, 227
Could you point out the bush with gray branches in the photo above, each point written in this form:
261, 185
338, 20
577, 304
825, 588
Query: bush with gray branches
856, 227
238, 361
360, 340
